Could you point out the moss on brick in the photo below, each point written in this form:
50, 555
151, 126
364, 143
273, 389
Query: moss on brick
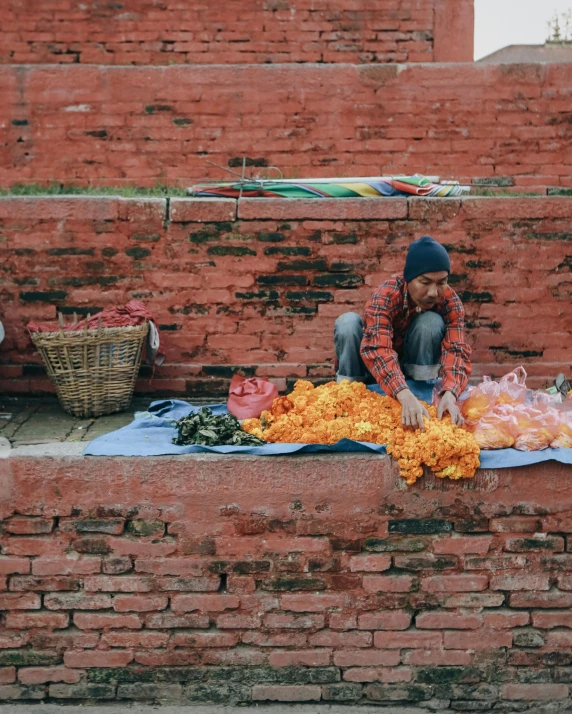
558, 191
470, 692
468, 296
200, 237
28, 657
89, 280
273, 237
91, 546
480, 264
218, 693
146, 237
528, 638
300, 310
134, 674
522, 545
43, 296
309, 296
315, 264
246, 567
114, 566
268, 295
420, 525
461, 249
237, 161
140, 527
236, 250
71, 251
397, 692
442, 675
551, 236
394, 543
345, 238
282, 280
138, 253
472, 524
288, 250
342, 267
480, 322
97, 526
344, 280
438, 563
82, 691
153, 108
275, 675
293, 584
343, 692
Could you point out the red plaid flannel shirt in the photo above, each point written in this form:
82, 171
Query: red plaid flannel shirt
387, 317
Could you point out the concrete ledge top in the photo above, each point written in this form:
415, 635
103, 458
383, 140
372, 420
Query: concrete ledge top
71, 450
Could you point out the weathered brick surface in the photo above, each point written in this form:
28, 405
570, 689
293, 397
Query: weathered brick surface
143, 32
98, 124
422, 628
260, 296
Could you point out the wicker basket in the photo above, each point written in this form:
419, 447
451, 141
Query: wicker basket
93, 371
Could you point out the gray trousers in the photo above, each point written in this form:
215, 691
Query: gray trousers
422, 348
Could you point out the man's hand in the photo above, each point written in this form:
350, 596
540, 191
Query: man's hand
448, 403
412, 411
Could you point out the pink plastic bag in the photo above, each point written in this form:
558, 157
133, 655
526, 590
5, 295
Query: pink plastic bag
248, 398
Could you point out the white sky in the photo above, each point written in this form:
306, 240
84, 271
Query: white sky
499, 23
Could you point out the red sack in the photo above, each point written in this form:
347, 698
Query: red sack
248, 398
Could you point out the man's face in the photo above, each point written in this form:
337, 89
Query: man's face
428, 289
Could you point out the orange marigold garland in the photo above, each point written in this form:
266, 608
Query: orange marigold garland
326, 414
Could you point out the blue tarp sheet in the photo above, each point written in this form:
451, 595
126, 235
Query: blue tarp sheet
152, 435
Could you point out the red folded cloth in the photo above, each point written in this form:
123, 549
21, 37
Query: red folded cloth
248, 398
130, 315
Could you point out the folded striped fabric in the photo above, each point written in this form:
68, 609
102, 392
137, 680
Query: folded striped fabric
370, 187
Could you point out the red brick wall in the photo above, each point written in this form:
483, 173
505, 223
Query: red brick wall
258, 287
254, 579
142, 125
146, 32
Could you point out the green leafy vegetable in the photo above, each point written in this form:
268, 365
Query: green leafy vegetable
202, 427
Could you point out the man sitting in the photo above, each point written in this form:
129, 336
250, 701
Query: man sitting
414, 325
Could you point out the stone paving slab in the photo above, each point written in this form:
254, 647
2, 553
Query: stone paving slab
135, 708
27, 421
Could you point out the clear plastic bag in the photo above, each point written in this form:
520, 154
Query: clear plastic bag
480, 400
512, 387
497, 429
537, 427
563, 437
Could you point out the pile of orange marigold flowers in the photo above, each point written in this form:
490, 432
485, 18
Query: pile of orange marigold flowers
326, 414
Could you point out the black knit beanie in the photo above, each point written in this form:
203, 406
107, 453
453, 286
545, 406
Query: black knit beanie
425, 256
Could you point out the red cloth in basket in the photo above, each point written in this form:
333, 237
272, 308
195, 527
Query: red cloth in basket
130, 315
